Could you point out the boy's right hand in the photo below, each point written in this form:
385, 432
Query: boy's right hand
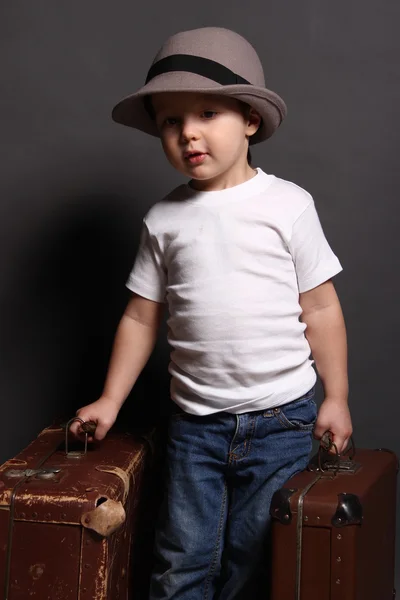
103, 412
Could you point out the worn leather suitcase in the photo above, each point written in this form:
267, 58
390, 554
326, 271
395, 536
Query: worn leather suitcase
333, 529
69, 517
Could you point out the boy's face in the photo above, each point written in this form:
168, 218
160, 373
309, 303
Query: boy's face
205, 137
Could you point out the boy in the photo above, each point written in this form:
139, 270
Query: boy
241, 259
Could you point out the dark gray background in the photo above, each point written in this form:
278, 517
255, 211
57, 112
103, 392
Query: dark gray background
74, 186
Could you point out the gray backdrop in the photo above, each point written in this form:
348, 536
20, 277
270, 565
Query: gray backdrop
74, 186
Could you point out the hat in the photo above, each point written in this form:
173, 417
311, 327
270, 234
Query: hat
209, 60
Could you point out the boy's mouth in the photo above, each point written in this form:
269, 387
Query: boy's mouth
195, 158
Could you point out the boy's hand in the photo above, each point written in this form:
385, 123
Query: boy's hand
334, 416
103, 412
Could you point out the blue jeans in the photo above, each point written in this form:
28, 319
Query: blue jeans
222, 471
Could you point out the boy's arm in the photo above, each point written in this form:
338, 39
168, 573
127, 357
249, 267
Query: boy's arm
133, 344
326, 334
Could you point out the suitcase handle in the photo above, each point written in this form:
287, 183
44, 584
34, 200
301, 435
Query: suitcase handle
326, 444
87, 427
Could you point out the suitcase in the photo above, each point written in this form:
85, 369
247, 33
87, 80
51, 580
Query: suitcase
333, 529
69, 516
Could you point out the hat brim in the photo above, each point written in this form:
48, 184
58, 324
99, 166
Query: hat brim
131, 110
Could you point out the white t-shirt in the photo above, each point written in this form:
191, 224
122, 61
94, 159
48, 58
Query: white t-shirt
230, 264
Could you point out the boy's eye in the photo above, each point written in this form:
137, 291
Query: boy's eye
170, 121
209, 114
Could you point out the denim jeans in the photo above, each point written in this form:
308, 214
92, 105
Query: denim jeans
222, 471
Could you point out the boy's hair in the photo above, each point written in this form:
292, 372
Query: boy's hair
150, 109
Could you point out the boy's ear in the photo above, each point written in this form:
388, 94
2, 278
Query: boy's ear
253, 120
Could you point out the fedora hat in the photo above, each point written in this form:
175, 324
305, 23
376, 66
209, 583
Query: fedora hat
209, 60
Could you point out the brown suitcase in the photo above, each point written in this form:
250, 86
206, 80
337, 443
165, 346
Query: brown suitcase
333, 531
67, 521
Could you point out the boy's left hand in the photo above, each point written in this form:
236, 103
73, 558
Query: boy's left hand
334, 416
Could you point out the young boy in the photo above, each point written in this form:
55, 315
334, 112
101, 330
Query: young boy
240, 257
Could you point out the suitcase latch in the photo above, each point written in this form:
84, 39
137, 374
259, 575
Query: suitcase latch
325, 461
49, 473
333, 466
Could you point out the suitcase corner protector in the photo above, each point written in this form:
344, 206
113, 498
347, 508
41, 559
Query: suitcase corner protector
280, 505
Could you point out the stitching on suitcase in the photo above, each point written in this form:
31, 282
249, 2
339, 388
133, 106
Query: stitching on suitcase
217, 544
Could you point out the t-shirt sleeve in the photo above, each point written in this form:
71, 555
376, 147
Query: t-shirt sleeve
148, 277
313, 258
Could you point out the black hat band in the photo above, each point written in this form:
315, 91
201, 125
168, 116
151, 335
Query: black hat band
196, 64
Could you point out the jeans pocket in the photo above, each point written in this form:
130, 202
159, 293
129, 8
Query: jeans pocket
301, 414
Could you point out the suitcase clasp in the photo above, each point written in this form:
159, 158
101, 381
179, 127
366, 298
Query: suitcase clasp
326, 462
49, 473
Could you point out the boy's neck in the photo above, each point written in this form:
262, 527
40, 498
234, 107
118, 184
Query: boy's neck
225, 180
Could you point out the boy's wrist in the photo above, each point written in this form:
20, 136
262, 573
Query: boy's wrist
114, 402
336, 389
340, 399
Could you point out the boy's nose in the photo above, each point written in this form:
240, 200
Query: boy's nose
189, 131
